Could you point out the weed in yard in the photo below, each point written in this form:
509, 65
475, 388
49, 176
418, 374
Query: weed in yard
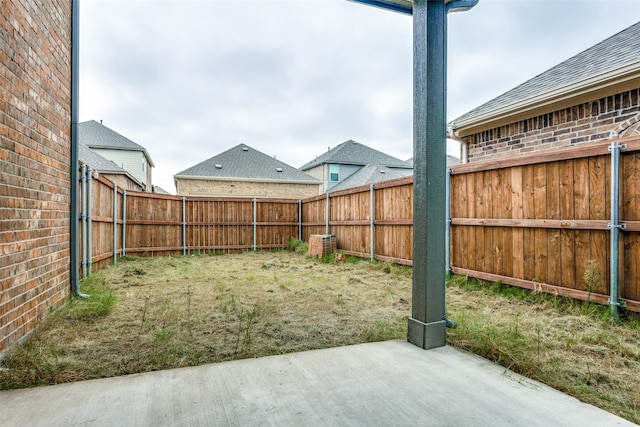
163, 335
297, 246
101, 300
384, 330
593, 277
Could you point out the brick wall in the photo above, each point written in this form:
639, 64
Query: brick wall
215, 188
35, 40
603, 119
321, 245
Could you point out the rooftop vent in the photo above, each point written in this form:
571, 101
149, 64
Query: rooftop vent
218, 166
278, 169
245, 149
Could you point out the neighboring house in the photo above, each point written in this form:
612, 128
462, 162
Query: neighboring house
159, 190
245, 172
122, 151
590, 97
339, 165
108, 169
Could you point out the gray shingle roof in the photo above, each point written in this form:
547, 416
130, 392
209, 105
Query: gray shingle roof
619, 50
371, 174
96, 161
244, 162
159, 190
96, 135
353, 153
101, 164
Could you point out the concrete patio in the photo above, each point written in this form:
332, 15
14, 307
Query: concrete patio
389, 383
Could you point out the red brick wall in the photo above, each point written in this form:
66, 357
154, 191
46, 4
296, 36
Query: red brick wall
603, 119
321, 245
35, 93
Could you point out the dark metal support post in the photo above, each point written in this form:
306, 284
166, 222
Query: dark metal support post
427, 325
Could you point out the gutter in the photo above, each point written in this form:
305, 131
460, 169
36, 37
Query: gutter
73, 226
231, 179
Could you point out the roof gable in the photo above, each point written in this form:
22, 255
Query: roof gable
371, 174
96, 135
615, 55
244, 162
353, 153
101, 164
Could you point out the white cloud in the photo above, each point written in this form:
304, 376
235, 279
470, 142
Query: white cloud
190, 79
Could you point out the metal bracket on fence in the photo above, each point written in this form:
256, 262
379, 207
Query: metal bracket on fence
617, 146
621, 226
618, 303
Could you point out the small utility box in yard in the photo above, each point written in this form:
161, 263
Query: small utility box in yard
322, 244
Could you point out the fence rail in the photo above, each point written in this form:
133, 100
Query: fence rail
540, 222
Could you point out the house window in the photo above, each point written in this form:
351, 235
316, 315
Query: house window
334, 173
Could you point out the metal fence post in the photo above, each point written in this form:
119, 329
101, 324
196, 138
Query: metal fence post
372, 222
327, 210
83, 217
89, 220
615, 227
300, 220
184, 226
255, 229
124, 222
115, 224
447, 230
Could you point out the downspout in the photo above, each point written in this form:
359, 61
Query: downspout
464, 146
73, 226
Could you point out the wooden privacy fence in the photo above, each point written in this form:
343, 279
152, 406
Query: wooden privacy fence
115, 222
542, 221
370, 221
539, 222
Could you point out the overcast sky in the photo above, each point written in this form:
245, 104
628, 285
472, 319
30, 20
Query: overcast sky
291, 78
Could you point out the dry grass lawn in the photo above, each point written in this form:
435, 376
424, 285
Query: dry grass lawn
157, 313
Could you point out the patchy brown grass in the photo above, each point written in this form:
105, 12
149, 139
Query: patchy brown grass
148, 314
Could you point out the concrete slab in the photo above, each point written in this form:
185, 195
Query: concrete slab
389, 383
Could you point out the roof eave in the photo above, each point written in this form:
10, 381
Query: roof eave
605, 84
108, 147
229, 178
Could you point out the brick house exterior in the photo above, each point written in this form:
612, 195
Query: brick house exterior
35, 160
243, 171
593, 96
